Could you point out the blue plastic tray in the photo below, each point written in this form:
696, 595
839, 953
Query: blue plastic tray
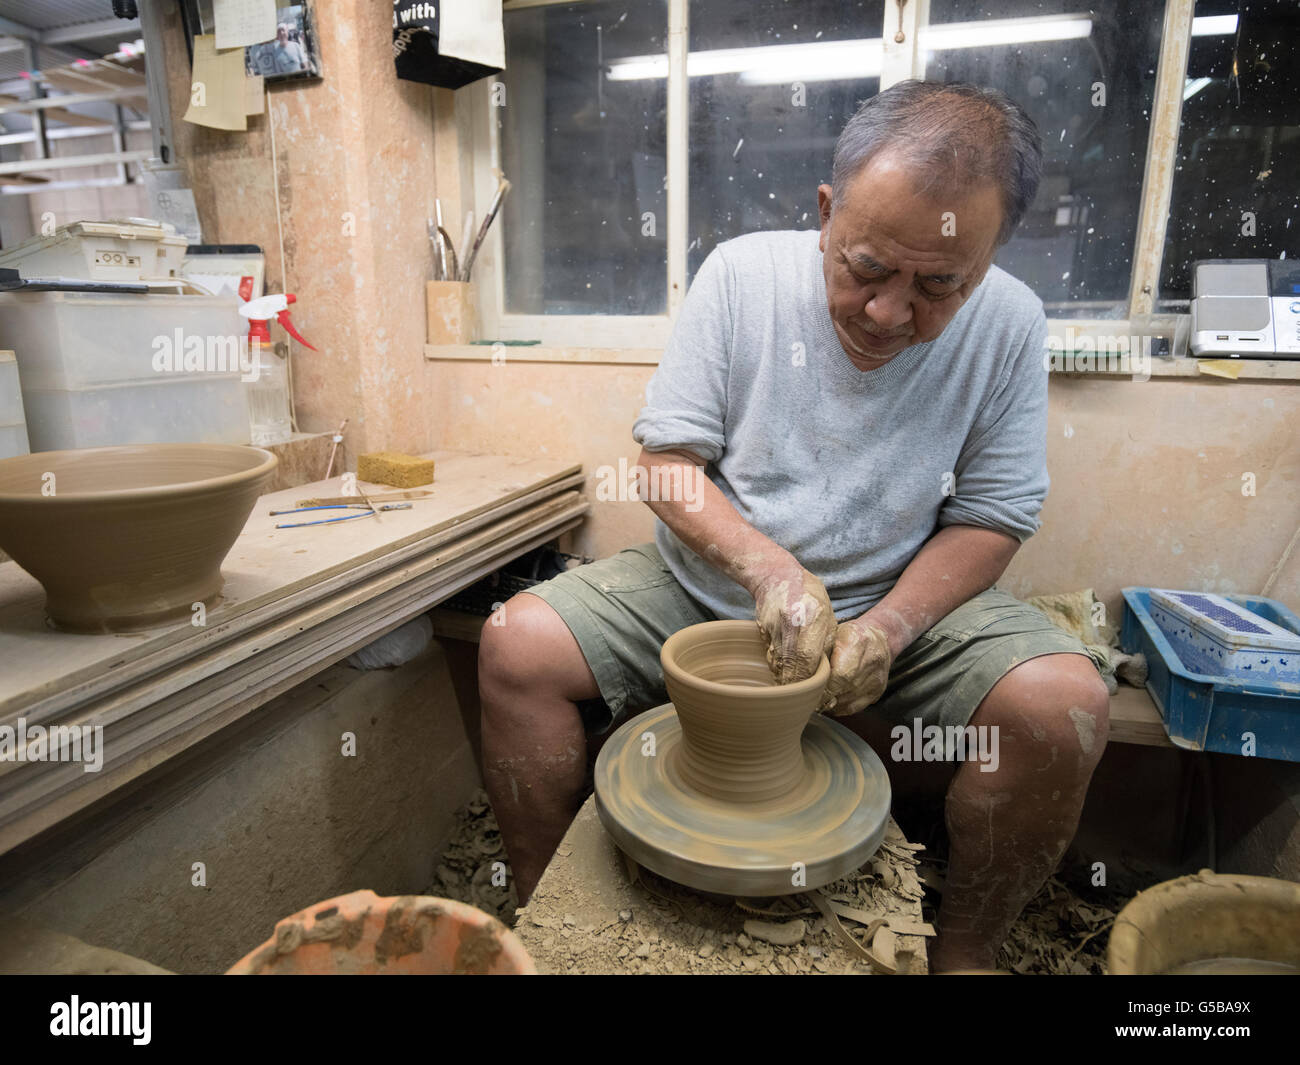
1208, 713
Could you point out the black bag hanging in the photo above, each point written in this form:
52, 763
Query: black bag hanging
448, 43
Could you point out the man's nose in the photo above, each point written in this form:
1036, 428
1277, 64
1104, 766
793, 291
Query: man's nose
888, 304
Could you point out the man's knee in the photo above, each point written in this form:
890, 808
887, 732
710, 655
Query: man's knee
1055, 711
526, 648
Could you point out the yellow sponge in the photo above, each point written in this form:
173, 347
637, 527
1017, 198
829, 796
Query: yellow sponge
392, 467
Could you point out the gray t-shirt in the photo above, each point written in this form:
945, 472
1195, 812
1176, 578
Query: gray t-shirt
851, 472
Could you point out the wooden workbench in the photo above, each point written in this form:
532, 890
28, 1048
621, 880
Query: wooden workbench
294, 602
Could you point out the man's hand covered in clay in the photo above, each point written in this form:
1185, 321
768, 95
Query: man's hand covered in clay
795, 614
860, 665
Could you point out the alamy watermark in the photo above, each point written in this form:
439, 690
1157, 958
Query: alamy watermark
57, 743
179, 352
1099, 353
946, 743
674, 483
74, 1017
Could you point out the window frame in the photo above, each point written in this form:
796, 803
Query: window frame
477, 135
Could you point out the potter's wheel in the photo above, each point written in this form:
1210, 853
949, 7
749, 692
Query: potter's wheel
832, 822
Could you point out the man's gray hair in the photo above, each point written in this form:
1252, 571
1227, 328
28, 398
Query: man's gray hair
959, 135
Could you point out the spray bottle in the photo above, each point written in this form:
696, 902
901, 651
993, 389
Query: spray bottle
268, 391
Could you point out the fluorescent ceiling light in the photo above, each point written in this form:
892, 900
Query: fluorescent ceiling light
818, 61
1194, 85
990, 33
847, 60
815, 61
1213, 25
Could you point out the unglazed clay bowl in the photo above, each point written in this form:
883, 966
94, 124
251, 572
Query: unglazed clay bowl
740, 729
128, 537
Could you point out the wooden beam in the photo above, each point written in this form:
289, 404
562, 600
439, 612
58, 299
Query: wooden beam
70, 99
72, 162
122, 29
1134, 718
62, 114
1162, 156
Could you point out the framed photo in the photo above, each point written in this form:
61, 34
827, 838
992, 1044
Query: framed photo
291, 54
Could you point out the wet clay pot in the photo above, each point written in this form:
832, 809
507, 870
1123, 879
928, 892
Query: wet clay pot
365, 934
128, 537
740, 729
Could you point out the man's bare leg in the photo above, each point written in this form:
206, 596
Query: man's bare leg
531, 676
1008, 829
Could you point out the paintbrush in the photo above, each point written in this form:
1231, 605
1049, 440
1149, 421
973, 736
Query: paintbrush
452, 271
497, 201
442, 246
439, 258
466, 235
338, 438
391, 497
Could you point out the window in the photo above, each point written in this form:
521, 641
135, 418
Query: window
583, 141
1086, 74
1235, 189
640, 136
771, 85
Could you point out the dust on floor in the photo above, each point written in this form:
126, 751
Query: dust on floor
1063, 929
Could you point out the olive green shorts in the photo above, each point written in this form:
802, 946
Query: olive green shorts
621, 610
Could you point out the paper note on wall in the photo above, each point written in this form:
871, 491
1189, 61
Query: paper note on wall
241, 22
177, 207
255, 95
471, 30
1230, 368
217, 86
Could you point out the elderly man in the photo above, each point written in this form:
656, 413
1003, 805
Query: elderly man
287, 56
868, 407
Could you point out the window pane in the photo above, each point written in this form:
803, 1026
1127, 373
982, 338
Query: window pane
1089, 83
582, 142
772, 84
1235, 183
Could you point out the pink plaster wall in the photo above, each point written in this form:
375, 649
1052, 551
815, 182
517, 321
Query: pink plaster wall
1146, 488
353, 172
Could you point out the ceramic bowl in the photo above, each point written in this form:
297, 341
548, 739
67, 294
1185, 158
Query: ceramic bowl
130, 537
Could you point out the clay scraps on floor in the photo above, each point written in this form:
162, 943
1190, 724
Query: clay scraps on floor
676, 930
1060, 932
465, 869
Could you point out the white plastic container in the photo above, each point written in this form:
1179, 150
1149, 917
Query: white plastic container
102, 369
170, 412
131, 250
1215, 636
13, 421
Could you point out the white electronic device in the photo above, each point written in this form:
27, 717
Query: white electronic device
1246, 308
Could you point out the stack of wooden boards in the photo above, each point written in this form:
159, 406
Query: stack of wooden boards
295, 601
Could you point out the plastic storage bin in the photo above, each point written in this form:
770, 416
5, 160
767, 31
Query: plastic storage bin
131, 250
1208, 712
100, 369
13, 421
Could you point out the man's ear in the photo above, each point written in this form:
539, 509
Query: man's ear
824, 213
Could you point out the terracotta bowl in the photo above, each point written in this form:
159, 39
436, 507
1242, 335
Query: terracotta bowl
740, 729
365, 934
130, 537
